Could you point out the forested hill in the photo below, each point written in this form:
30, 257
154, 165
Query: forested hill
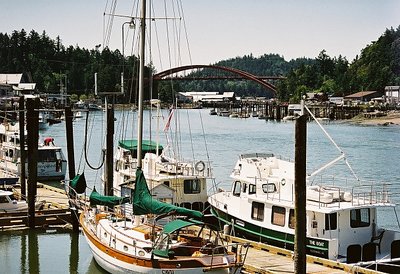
377, 66
45, 61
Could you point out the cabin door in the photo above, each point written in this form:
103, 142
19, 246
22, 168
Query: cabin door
331, 230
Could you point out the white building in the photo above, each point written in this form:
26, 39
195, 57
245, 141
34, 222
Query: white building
392, 94
208, 96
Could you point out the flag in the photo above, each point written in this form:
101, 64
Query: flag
171, 112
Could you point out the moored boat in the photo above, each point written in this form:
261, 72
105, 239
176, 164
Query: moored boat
51, 162
342, 218
9, 203
133, 244
189, 245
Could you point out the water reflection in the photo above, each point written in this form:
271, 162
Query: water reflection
45, 251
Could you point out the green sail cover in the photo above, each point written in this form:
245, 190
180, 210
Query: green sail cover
143, 202
78, 183
147, 146
110, 201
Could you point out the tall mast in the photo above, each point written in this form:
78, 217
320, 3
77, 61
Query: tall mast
141, 83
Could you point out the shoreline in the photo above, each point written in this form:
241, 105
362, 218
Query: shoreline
391, 118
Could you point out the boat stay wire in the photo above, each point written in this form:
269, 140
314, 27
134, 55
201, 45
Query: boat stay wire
343, 155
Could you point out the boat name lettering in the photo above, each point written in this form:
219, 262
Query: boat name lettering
168, 272
239, 222
316, 243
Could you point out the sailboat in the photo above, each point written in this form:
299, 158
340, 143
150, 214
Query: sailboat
190, 244
170, 179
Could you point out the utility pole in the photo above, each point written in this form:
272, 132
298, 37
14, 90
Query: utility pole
300, 194
71, 164
33, 138
22, 178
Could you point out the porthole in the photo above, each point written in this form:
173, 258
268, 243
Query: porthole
125, 248
141, 253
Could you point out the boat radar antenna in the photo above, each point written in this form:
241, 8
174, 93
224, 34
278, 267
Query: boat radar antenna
342, 154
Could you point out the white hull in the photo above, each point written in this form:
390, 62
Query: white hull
112, 248
51, 163
339, 220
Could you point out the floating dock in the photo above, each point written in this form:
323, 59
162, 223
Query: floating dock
262, 258
52, 209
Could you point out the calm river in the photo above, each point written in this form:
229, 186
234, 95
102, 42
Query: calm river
372, 151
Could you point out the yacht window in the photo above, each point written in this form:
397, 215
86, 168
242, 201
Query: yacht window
292, 220
278, 215
191, 186
46, 156
359, 217
166, 183
268, 188
244, 188
331, 221
257, 211
3, 200
237, 188
252, 189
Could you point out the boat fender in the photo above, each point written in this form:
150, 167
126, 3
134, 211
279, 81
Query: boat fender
200, 166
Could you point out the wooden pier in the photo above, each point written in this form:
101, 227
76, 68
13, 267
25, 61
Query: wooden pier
53, 210
262, 258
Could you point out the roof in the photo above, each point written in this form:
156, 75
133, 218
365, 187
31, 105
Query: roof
392, 88
11, 79
27, 86
361, 94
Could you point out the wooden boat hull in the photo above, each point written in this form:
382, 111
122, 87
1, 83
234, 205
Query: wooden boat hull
115, 261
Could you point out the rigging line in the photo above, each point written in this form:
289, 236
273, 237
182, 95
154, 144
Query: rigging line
158, 42
205, 141
333, 142
167, 33
190, 135
185, 30
176, 39
85, 146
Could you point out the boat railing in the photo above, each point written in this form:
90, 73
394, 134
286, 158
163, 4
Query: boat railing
200, 168
240, 251
371, 194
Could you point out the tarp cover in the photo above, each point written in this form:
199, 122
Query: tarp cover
179, 224
143, 202
110, 201
147, 146
78, 183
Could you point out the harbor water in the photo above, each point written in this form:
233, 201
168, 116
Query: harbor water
372, 151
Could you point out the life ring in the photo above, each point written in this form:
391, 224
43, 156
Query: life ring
200, 166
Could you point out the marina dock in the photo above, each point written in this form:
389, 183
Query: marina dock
263, 258
52, 209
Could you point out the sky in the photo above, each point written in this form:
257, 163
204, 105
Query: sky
220, 29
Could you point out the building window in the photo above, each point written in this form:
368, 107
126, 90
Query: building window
331, 221
292, 220
237, 188
257, 211
252, 189
359, 217
191, 186
166, 183
278, 215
